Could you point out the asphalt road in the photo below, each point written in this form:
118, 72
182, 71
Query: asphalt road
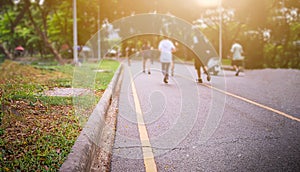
245, 123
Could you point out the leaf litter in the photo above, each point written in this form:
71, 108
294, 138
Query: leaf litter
35, 134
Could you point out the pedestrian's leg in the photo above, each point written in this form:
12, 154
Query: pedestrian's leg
172, 68
148, 65
128, 59
237, 70
144, 64
243, 66
167, 71
235, 67
199, 75
167, 68
206, 72
163, 68
238, 64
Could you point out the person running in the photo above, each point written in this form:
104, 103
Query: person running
128, 53
166, 48
146, 54
237, 58
173, 63
198, 65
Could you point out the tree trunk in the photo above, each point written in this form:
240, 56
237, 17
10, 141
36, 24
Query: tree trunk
19, 17
6, 53
45, 39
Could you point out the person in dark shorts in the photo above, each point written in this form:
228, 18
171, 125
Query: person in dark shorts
198, 65
237, 58
237, 65
147, 56
128, 52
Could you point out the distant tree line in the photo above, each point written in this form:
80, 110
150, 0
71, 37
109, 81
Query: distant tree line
269, 30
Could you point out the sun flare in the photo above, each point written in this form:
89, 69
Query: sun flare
209, 3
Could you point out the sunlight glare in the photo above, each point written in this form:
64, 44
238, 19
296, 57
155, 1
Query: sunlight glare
209, 3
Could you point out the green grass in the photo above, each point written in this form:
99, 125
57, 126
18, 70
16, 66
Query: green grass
226, 62
2, 57
103, 79
38, 131
43, 151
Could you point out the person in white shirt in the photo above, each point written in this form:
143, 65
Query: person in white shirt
237, 58
166, 48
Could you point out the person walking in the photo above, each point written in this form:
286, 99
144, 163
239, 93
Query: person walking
237, 58
128, 53
198, 65
197, 62
146, 54
166, 48
173, 62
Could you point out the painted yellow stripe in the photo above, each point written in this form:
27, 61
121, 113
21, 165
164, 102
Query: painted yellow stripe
255, 103
149, 161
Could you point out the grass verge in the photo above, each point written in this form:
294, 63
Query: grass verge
38, 131
226, 62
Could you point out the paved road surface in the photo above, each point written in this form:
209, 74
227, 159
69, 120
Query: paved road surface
252, 125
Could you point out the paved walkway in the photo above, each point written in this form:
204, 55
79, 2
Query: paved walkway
245, 123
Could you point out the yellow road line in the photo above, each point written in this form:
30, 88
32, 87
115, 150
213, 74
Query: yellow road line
255, 103
148, 156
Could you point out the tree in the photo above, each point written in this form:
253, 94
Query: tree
267, 34
9, 21
36, 12
281, 49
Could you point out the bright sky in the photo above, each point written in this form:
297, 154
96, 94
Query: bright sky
209, 3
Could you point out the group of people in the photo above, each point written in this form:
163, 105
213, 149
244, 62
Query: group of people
166, 48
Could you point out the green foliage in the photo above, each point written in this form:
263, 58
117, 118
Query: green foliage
60, 29
278, 50
282, 51
2, 57
55, 19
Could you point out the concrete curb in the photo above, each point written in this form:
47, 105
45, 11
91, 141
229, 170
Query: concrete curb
82, 152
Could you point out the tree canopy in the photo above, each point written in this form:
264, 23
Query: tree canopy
268, 29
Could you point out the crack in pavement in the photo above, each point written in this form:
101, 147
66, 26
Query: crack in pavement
239, 140
133, 147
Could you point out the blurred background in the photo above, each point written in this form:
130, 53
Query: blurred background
269, 30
